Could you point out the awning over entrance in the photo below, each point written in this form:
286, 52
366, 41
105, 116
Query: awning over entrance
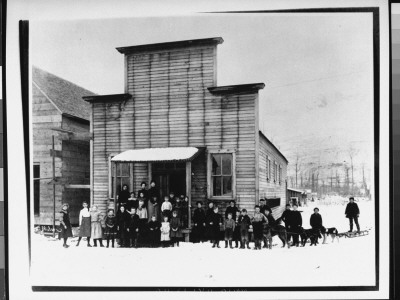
170, 154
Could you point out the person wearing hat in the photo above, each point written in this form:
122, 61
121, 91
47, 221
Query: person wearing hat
264, 207
66, 229
286, 218
199, 223
352, 213
316, 224
295, 221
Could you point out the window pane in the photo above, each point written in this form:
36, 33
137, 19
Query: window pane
125, 169
217, 186
227, 164
118, 166
227, 186
112, 187
119, 184
216, 164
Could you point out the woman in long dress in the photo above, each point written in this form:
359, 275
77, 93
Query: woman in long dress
84, 224
66, 229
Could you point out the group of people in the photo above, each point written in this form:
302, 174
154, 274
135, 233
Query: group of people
150, 225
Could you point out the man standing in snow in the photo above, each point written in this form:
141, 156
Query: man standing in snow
352, 213
295, 222
286, 218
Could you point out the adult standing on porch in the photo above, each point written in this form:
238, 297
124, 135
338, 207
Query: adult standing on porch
123, 195
143, 190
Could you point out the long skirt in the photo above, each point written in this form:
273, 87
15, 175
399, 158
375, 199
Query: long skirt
97, 232
165, 236
65, 232
85, 228
198, 232
153, 210
176, 234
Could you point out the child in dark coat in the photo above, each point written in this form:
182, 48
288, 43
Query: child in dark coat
110, 229
133, 228
66, 229
352, 213
122, 226
295, 222
176, 232
229, 228
216, 222
236, 231
199, 223
244, 224
154, 232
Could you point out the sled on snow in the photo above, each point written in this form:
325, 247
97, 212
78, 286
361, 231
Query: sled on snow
353, 233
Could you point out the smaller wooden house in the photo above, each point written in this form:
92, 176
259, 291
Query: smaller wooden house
58, 111
296, 196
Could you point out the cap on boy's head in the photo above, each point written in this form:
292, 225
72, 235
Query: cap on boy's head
232, 201
257, 206
288, 205
244, 210
351, 198
262, 199
143, 183
316, 209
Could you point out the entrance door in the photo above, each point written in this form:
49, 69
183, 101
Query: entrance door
170, 177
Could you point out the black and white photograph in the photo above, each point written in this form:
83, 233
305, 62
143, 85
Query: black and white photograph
212, 150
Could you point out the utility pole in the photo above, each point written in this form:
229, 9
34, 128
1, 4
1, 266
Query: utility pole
54, 187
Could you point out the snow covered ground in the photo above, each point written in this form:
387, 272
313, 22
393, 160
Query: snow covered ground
351, 262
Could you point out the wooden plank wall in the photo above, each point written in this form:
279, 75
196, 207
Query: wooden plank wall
44, 117
269, 188
171, 107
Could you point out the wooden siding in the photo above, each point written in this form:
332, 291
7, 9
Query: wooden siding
172, 107
44, 117
72, 167
268, 187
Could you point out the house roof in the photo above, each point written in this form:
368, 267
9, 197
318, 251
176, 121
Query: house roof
170, 45
277, 150
63, 94
170, 154
236, 89
296, 190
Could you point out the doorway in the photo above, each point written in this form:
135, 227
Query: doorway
170, 177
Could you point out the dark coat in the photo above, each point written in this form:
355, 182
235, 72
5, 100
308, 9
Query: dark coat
199, 217
122, 224
244, 223
154, 231
65, 222
286, 217
153, 192
212, 224
175, 225
123, 196
294, 219
316, 221
131, 203
352, 210
264, 208
233, 210
133, 222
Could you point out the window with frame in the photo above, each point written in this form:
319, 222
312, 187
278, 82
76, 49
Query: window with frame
221, 174
275, 172
280, 174
267, 168
120, 175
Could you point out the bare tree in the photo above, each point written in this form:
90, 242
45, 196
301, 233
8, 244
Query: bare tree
297, 168
352, 153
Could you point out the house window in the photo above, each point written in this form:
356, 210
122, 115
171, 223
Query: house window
120, 175
36, 189
221, 174
275, 172
268, 168
280, 174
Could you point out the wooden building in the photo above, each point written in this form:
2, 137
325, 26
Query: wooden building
296, 196
58, 110
174, 125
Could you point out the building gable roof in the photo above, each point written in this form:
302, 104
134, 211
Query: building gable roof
63, 94
263, 136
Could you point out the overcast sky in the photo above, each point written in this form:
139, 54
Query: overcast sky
318, 99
